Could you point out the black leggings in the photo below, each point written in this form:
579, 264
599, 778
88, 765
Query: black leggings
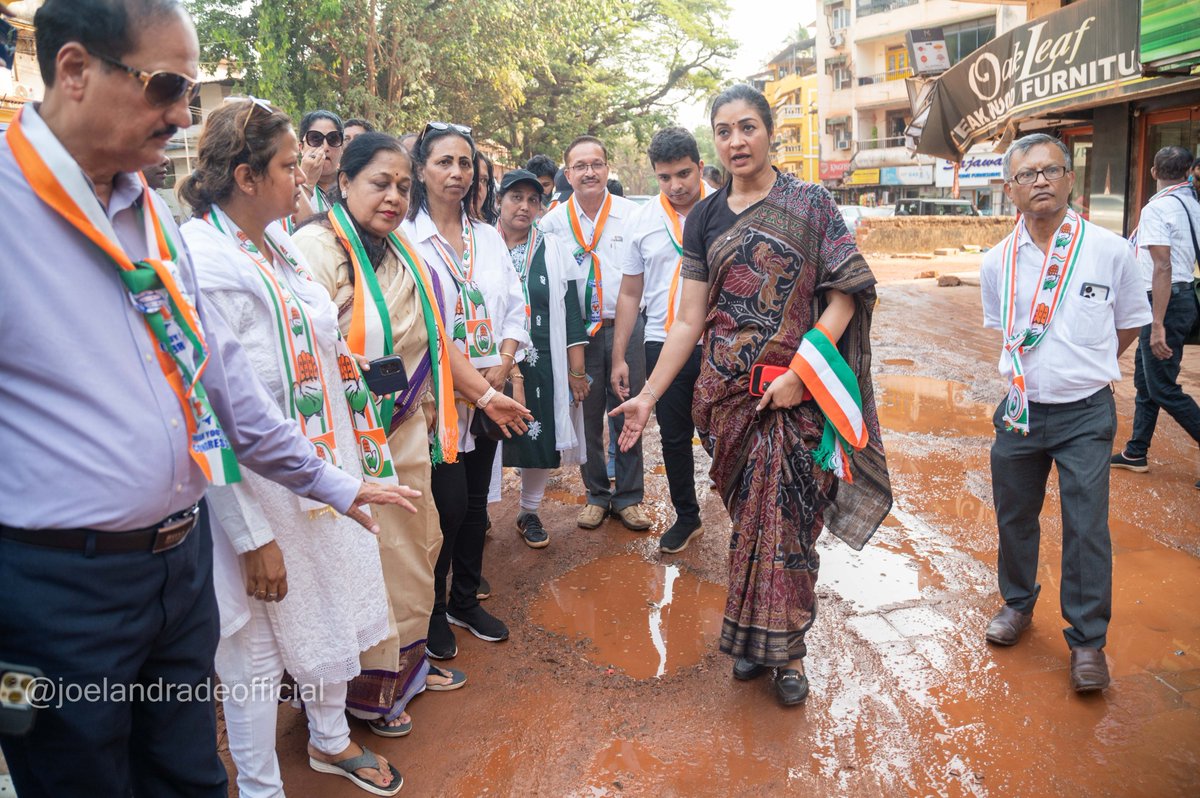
460, 492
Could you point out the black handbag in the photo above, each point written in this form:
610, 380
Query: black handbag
483, 427
1193, 337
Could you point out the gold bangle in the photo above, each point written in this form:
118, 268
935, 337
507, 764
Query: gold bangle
513, 358
577, 375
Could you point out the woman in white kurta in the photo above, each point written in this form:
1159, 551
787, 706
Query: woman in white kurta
484, 310
299, 587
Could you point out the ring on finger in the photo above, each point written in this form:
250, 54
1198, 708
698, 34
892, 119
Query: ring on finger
272, 596
259, 594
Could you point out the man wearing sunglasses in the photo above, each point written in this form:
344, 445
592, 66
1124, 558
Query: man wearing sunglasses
321, 138
116, 416
1067, 298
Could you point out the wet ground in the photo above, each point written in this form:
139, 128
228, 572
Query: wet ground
611, 684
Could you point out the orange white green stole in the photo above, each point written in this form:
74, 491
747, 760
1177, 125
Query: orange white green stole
1024, 332
308, 399
593, 293
674, 225
832, 383
171, 319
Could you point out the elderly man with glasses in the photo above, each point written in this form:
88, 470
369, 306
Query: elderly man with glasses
1067, 298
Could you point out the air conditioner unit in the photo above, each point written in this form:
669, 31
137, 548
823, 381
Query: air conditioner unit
842, 143
837, 38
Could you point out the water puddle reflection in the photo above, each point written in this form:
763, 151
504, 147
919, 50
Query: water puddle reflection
923, 404
646, 619
869, 579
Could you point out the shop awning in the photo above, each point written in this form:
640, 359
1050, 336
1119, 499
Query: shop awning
1170, 36
1082, 55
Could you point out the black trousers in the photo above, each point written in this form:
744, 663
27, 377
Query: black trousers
1076, 438
1157, 381
142, 621
675, 425
460, 492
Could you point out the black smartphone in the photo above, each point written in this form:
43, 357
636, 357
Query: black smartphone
17, 709
386, 375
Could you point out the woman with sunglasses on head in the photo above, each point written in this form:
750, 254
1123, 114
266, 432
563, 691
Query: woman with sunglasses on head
321, 139
484, 309
784, 403
299, 588
388, 303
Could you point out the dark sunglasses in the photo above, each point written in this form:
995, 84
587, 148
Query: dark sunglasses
444, 126
315, 138
160, 88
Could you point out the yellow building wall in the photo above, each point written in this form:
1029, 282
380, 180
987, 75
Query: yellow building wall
797, 147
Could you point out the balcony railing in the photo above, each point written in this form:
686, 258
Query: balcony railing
790, 149
883, 77
792, 112
866, 7
878, 144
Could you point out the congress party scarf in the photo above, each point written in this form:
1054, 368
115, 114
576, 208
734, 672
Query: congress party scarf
593, 294
1057, 269
300, 362
674, 225
834, 386
1178, 188
472, 324
522, 263
171, 320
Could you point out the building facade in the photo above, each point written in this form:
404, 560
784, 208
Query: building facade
789, 83
863, 97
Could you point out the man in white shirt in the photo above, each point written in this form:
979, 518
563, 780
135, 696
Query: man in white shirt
1067, 297
594, 225
651, 277
1166, 242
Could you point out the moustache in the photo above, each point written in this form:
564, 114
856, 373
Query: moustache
167, 132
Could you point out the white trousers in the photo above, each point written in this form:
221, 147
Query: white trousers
250, 667
533, 488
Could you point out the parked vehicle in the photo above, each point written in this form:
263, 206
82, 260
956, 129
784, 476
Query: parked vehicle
919, 206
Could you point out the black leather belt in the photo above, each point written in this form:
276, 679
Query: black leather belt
163, 536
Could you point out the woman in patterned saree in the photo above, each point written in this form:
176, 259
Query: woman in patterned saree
773, 277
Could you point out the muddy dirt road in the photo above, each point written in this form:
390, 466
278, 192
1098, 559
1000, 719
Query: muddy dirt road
611, 684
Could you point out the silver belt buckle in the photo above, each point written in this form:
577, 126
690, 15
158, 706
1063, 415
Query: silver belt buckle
172, 532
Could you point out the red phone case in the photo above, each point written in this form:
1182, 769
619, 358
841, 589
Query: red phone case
761, 375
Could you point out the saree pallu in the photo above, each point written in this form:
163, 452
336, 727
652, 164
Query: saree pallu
767, 275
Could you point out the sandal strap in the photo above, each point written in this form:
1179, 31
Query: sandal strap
366, 759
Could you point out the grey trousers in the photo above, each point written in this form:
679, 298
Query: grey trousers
599, 401
1076, 438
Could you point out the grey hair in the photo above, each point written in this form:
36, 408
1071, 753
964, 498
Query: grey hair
1027, 143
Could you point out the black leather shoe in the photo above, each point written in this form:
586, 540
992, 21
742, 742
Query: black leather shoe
791, 686
1089, 670
1007, 625
745, 670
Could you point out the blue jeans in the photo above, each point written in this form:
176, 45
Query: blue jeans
1157, 381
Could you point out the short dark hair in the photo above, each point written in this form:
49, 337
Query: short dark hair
541, 166
712, 173
671, 144
1172, 163
615, 188
106, 27
363, 150
1196, 164
419, 199
235, 133
749, 95
575, 142
354, 121
311, 118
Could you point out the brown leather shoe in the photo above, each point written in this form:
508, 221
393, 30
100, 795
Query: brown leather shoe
633, 518
1007, 625
591, 516
1089, 670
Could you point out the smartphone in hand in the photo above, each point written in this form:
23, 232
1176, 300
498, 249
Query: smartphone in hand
386, 375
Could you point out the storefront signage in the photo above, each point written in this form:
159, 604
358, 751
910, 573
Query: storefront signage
927, 53
1082, 53
906, 176
979, 167
1170, 34
833, 170
863, 177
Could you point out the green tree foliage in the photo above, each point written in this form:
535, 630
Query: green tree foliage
529, 75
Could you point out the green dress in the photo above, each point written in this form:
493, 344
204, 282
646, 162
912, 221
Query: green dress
536, 448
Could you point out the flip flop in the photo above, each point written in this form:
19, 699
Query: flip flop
346, 769
383, 729
457, 679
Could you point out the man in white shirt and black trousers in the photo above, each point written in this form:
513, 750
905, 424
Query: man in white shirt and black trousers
1068, 299
1166, 240
651, 279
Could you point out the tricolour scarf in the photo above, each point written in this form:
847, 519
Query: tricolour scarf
593, 293
674, 224
834, 386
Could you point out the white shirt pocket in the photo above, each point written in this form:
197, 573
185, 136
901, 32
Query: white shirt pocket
1089, 315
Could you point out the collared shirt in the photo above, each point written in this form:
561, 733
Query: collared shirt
497, 280
614, 242
1078, 355
1164, 223
652, 254
92, 434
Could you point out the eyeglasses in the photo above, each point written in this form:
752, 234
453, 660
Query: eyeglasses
582, 168
315, 138
444, 126
255, 102
160, 88
1027, 177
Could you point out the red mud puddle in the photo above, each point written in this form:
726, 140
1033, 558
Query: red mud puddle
923, 404
645, 619
565, 497
899, 361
